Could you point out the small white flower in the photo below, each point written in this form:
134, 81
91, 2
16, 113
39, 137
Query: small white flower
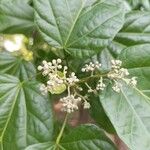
119, 73
90, 90
65, 67
86, 105
44, 62
83, 69
70, 103
54, 61
91, 67
97, 65
80, 88
59, 60
50, 83
59, 66
116, 64
100, 85
72, 79
133, 81
40, 68
116, 87
45, 72
43, 89
123, 72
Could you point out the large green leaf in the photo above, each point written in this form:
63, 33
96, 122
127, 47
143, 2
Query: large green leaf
136, 29
80, 27
129, 112
16, 66
137, 4
85, 137
16, 17
25, 115
16, 1
137, 60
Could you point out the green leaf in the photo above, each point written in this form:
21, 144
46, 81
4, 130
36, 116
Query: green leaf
136, 29
84, 137
129, 112
16, 17
137, 60
146, 4
98, 114
138, 4
25, 115
82, 29
111, 52
16, 66
16, 1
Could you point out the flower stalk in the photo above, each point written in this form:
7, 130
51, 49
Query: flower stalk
62, 130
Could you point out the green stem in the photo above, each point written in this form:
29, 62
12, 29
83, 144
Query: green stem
82, 80
62, 130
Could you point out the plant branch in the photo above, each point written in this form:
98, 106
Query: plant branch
62, 130
82, 80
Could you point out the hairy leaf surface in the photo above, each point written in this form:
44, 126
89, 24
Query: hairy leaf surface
16, 17
137, 4
81, 27
16, 66
84, 137
25, 115
136, 29
129, 112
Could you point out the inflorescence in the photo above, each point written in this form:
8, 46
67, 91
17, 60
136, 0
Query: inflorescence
59, 79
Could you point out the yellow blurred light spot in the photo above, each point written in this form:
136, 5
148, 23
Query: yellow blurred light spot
16, 43
26, 54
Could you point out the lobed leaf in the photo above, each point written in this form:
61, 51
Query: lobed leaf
16, 17
16, 66
81, 28
25, 115
129, 112
136, 29
84, 137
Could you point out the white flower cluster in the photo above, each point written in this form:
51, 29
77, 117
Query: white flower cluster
72, 79
50, 67
90, 90
116, 87
59, 80
56, 77
91, 67
86, 105
51, 70
100, 86
70, 103
43, 89
117, 72
133, 81
120, 73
